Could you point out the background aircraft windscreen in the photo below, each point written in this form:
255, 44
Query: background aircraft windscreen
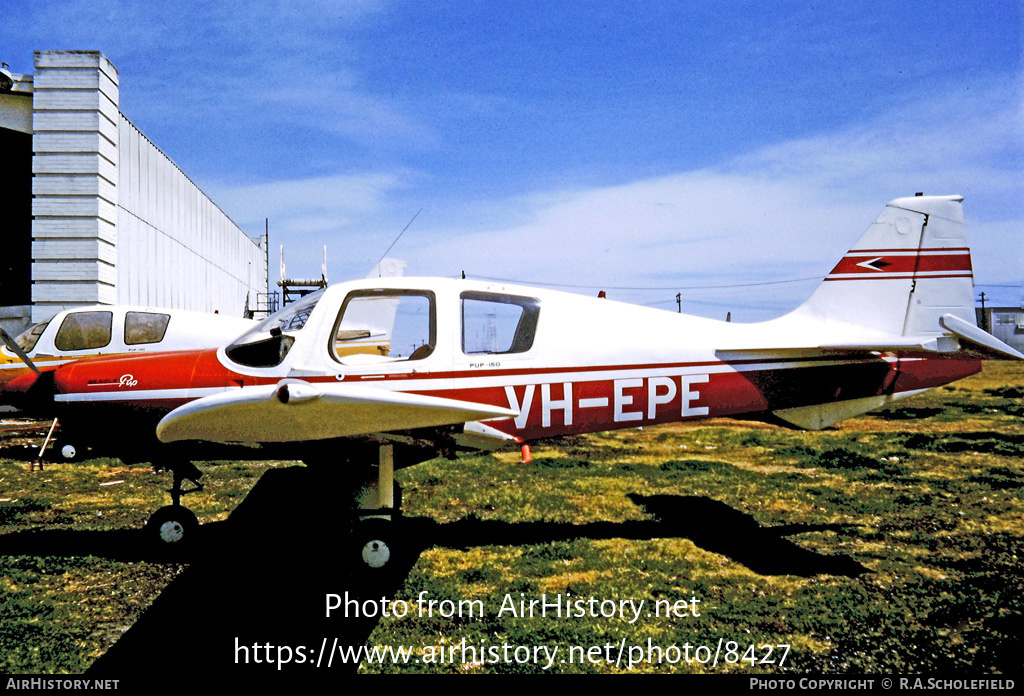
28, 338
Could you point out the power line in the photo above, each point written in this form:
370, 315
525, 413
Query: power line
773, 308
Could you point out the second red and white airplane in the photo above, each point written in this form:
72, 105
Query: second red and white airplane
471, 365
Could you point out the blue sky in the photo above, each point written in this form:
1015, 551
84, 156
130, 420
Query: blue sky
605, 144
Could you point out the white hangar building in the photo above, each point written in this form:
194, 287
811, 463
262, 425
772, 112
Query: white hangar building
97, 214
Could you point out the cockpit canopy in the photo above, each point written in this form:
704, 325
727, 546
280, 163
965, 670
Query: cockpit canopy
386, 325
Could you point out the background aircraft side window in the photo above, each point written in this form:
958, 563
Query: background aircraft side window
84, 331
145, 327
378, 324
495, 323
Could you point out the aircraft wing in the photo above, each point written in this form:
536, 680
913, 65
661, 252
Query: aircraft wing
294, 410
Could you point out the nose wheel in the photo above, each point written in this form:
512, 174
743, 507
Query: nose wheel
172, 526
175, 526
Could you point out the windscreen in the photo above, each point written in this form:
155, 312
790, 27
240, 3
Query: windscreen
267, 344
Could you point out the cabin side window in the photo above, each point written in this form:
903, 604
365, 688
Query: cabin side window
84, 331
145, 327
494, 323
384, 326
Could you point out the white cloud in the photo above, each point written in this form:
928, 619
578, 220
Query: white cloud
700, 227
955, 137
307, 205
287, 62
788, 210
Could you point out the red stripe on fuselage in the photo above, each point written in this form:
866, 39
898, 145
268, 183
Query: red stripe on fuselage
629, 402
202, 369
586, 405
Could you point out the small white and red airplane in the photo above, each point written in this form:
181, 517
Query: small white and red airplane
28, 361
472, 365
90, 331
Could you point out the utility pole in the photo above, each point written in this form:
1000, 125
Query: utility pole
984, 315
679, 302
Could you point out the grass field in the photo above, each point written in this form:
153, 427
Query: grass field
889, 543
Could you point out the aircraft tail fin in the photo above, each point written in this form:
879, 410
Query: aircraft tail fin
910, 268
906, 286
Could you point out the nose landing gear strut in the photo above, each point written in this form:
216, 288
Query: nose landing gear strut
174, 525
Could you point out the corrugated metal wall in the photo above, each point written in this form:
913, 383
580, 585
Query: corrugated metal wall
114, 219
175, 247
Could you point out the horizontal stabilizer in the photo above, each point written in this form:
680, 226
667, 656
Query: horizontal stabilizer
934, 344
979, 341
978, 337
294, 410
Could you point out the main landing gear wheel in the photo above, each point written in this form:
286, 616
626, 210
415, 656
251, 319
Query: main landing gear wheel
172, 526
375, 542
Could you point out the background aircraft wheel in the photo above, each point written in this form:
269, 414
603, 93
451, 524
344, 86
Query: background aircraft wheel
375, 544
65, 451
172, 526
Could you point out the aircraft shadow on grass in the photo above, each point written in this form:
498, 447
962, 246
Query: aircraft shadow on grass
262, 576
298, 526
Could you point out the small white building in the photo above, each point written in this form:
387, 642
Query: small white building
1005, 323
97, 213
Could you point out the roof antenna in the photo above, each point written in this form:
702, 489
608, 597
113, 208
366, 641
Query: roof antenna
396, 240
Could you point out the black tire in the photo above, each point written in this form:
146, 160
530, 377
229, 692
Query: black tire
66, 451
375, 545
172, 526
